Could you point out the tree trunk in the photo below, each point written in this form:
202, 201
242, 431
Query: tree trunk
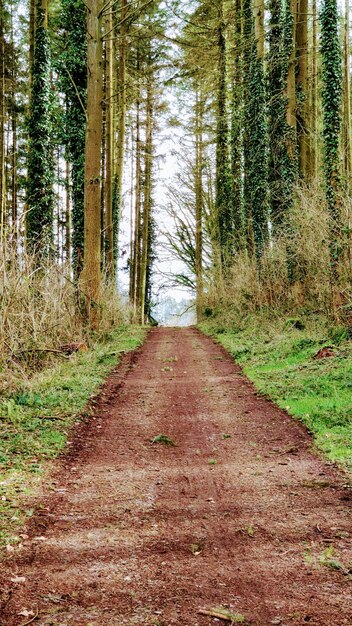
199, 204
109, 147
136, 267
222, 176
40, 194
236, 128
91, 275
121, 98
302, 86
2, 125
347, 158
147, 195
313, 157
259, 27
68, 215
291, 85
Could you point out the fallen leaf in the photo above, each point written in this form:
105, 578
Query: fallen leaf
18, 579
26, 613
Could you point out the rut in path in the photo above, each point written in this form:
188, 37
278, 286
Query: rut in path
140, 533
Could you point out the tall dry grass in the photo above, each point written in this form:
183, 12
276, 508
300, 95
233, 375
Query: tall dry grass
39, 312
295, 273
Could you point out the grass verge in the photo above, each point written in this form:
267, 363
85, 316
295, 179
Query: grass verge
280, 360
36, 418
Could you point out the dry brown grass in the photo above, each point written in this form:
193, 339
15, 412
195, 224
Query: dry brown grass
39, 312
295, 271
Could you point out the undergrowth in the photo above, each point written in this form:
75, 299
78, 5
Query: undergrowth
36, 417
280, 359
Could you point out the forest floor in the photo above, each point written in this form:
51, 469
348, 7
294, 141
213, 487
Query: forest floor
241, 513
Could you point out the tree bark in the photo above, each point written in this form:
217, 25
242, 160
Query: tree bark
291, 86
121, 98
199, 204
109, 148
302, 86
313, 156
347, 157
147, 194
2, 125
91, 275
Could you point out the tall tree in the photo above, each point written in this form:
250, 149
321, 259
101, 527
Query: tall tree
302, 99
198, 187
222, 177
236, 127
331, 98
73, 82
91, 273
347, 129
109, 142
2, 121
40, 196
256, 139
282, 156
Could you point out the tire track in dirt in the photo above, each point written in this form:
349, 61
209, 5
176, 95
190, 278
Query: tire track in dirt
139, 533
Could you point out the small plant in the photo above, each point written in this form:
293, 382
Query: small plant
225, 436
212, 461
164, 440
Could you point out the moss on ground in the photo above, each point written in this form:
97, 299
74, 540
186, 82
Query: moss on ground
36, 418
280, 359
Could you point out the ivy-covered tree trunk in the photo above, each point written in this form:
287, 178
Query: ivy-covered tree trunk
347, 129
222, 175
236, 138
147, 206
40, 196
74, 85
198, 186
282, 163
313, 126
331, 99
256, 136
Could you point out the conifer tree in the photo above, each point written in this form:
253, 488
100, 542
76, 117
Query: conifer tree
40, 196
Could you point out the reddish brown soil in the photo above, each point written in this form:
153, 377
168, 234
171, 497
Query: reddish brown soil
140, 533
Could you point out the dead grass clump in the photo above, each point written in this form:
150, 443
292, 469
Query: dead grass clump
39, 312
294, 272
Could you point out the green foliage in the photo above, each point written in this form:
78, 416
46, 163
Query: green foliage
40, 195
36, 418
331, 99
72, 66
317, 391
164, 439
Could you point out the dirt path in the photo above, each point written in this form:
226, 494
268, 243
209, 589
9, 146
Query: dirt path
139, 533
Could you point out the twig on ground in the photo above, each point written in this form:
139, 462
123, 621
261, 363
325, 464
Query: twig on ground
32, 619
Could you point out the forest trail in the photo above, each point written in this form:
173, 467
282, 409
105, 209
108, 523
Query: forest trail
240, 513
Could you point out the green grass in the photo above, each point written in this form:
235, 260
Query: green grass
36, 418
279, 360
